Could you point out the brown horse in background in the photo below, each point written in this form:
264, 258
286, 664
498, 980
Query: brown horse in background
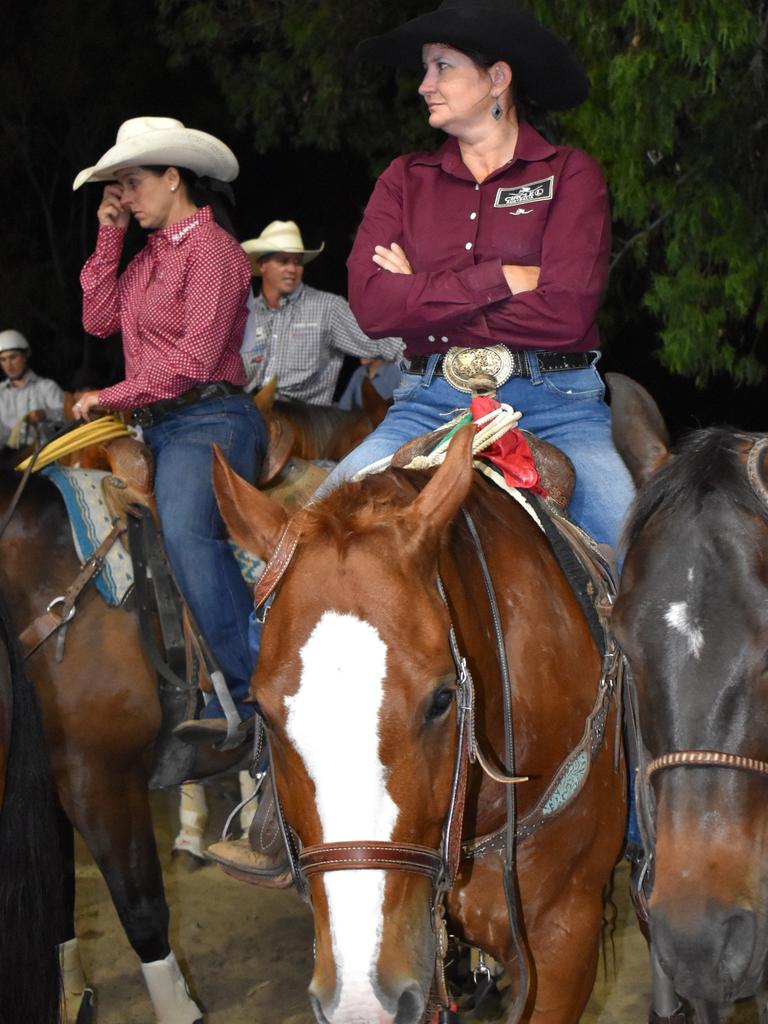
30, 898
320, 431
692, 617
101, 714
359, 687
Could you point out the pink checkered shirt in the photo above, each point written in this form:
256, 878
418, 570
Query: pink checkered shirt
180, 305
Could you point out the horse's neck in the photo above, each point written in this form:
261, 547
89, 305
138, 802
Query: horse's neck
553, 665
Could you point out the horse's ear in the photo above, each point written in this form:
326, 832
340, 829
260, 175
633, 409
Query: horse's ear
264, 398
374, 406
443, 496
252, 520
638, 428
280, 441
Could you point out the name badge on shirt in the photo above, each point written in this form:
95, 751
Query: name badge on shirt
521, 195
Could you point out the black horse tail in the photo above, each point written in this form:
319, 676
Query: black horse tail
30, 874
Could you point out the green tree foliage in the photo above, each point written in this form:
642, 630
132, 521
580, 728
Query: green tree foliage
677, 118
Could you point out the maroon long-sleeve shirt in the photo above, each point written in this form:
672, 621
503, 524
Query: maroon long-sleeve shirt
547, 207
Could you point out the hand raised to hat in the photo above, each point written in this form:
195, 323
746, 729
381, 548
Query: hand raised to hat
111, 212
392, 259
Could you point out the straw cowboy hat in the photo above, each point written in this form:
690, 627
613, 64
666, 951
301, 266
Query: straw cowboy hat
545, 70
163, 140
280, 236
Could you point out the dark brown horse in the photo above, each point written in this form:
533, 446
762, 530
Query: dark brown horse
692, 616
358, 684
29, 868
101, 714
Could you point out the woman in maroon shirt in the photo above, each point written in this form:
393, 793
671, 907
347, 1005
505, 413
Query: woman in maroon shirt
180, 306
497, 242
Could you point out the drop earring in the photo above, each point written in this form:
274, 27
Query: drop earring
496, 110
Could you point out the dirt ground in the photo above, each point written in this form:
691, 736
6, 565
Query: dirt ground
248, 951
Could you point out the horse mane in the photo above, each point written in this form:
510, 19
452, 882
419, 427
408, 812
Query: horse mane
31, 908
360, 508
704, 461
364, 507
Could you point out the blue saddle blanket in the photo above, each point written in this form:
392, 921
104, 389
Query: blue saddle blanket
90, 521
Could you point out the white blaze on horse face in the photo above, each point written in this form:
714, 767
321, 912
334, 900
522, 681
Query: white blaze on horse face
677, 617
333, 722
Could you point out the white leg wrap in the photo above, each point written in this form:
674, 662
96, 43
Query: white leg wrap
73, 982
193, 817
169, 994
247, 786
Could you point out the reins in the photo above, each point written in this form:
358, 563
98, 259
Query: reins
511, 892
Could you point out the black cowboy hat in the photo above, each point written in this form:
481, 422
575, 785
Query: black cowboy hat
545, 69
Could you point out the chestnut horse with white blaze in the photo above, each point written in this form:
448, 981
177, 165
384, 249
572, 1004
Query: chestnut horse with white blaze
358, 685
692, 617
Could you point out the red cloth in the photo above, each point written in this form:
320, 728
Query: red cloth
548, 207
511, 452
180, 305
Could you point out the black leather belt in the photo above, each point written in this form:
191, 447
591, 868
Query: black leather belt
148, 414
549, 362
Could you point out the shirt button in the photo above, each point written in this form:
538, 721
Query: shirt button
431, 337
444, 339
473, 216
468, 245
477, 188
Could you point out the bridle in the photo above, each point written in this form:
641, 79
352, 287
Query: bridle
439, 865
647, 768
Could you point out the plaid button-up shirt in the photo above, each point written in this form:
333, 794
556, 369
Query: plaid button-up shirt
303, 343
180, 305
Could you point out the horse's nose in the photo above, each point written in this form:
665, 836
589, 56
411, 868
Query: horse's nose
410, 1005
403, 1007
711, 958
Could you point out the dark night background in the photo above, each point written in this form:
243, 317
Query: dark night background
76, 71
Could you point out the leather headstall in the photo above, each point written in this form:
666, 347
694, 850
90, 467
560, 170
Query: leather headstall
281, 558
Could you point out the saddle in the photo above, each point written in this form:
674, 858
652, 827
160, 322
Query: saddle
555, 469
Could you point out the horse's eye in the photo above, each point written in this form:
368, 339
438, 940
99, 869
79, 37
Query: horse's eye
442, 699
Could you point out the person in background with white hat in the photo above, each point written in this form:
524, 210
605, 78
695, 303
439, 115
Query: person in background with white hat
31, 407
180, 305
295, 333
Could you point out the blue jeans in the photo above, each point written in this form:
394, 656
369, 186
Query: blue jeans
565, 408
193, 531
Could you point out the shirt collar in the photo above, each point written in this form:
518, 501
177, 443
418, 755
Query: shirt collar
531, 146
284, 300
29, 378
175, 233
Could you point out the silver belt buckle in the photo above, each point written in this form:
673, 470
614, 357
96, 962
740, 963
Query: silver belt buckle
463, 366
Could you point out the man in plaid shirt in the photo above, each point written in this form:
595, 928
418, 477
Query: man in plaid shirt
296, 333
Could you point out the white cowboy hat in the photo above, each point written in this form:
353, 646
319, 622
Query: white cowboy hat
11, 341
163, 140
280, 236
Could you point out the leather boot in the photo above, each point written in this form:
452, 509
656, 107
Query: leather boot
261, 857
236, 858
209, 731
